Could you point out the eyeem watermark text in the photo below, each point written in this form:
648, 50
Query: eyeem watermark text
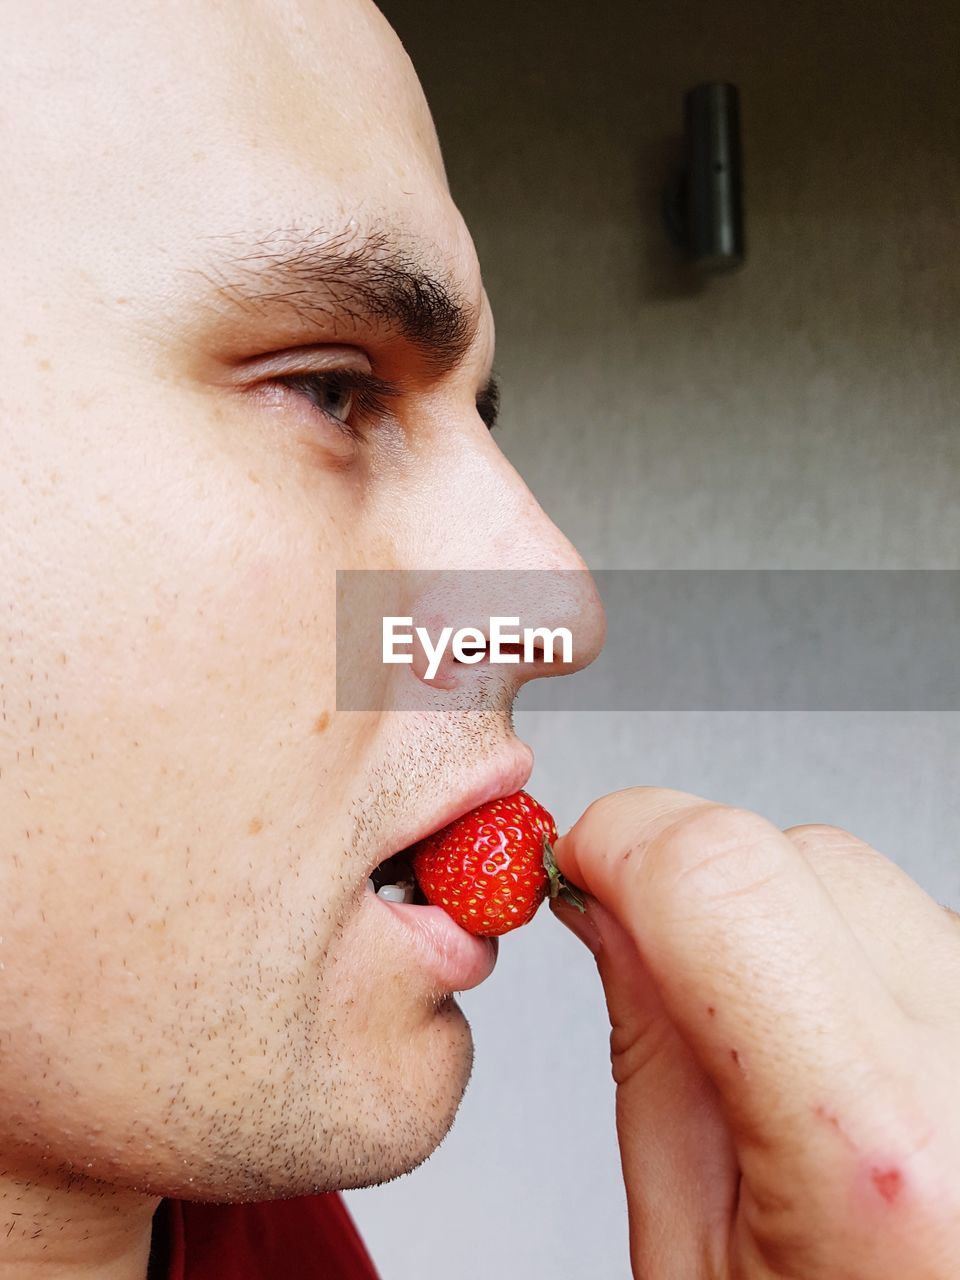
470, 644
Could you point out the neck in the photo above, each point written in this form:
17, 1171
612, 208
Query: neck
55, 1228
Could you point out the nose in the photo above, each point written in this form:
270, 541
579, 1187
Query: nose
503, 558
503, 627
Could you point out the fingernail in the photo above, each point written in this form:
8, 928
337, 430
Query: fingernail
578, 922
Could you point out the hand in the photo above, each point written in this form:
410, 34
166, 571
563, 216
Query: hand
785, 1012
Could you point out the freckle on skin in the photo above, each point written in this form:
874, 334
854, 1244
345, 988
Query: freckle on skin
322, 723
711, 1010
256, 825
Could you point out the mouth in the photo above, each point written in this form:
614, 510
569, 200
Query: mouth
502, 777
454, 959
393, 880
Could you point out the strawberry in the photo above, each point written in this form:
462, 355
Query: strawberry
491, 868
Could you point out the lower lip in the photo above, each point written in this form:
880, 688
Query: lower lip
453, 958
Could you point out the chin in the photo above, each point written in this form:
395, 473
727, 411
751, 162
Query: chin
416, 1119
380, 1114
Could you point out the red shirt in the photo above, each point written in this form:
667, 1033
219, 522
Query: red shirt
309, 1238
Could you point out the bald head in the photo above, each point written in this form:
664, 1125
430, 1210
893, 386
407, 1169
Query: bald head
137, 140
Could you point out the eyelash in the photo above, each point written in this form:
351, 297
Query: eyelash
371, 397
488, 405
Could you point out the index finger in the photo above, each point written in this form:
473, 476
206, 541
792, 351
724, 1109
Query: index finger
753, 962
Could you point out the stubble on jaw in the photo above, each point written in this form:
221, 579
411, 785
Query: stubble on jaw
322, 1109
364, 1127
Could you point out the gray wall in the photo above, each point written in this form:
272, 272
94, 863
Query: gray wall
801, 414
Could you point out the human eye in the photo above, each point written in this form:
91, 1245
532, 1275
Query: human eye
350, 399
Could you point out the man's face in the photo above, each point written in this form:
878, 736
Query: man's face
217, 216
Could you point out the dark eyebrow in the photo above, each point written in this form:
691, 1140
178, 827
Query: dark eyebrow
348, 280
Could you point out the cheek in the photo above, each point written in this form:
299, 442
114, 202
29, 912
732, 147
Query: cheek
171, 597
170, 757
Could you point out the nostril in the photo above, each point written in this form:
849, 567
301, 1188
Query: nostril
467, 650
514, 652
507, 652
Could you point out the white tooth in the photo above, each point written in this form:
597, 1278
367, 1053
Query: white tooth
391, 893
371, 887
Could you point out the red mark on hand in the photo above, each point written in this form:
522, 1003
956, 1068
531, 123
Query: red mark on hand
833, 1121
829, 1118
889, 1182
823, 1114
887, 1179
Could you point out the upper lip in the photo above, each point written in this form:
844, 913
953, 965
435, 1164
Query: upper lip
501, 776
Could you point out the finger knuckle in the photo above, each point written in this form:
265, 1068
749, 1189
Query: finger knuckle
716, 852
712, 827
823, 835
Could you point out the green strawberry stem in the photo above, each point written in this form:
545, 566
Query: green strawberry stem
559, 887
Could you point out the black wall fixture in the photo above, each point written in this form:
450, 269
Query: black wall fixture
703, 206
